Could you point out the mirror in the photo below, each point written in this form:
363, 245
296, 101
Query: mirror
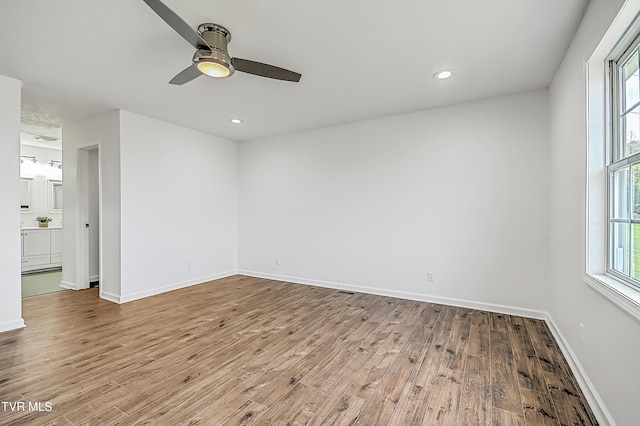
55, 195
25, 194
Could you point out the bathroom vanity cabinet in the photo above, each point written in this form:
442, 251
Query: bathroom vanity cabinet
41, 248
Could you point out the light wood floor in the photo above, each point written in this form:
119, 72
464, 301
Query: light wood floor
250, 351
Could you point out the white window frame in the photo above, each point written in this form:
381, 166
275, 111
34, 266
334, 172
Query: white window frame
620, 35
617, 161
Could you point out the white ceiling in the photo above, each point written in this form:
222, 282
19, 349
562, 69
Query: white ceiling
358, 58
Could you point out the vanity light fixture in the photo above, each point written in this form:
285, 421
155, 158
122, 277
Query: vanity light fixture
237, 121
443, 74
31, 158
54, 163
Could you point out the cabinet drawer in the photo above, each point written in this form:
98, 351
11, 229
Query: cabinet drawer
29, 261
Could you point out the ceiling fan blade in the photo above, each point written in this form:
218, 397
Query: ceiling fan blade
186, 75
178, 25
265, 70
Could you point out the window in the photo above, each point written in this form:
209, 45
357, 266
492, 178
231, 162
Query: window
613, 163
623, 168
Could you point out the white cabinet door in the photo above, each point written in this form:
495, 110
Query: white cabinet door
56, 241
35, 242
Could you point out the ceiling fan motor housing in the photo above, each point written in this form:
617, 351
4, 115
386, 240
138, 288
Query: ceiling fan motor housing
217, 38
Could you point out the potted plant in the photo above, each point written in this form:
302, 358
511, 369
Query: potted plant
43, 221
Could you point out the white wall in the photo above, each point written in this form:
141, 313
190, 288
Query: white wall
10, 293
609, 354
104, 130
460, 191
169, 204
179, 206
40, 173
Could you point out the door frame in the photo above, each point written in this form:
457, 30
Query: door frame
82, 206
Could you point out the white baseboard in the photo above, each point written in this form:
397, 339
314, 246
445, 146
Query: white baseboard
110, 296
159, 290
94, 278
12, 325
68, 285
597, 405
595, 402
470, 304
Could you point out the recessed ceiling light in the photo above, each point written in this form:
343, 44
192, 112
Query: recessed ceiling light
236, 120
443, 75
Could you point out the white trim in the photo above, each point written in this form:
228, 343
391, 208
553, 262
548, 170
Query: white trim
599, 126
68, 285
420, 297
110, 297
159, 290
82, 213
82, 235
12, 325
93, 278
595, 402
621, 295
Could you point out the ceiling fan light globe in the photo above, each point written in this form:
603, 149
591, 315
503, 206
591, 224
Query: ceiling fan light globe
213, 63
213, 69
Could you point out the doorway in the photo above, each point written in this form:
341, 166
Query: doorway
41, 224
89, 257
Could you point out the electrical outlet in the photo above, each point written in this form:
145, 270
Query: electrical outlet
430, 277
277, 261
581, 332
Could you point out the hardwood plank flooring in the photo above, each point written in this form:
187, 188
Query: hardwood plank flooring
249, 351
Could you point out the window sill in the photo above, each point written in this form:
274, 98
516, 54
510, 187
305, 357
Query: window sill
623, 296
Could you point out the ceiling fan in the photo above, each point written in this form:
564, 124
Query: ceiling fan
212, 57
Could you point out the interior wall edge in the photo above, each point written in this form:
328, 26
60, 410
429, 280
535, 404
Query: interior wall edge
10, 264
